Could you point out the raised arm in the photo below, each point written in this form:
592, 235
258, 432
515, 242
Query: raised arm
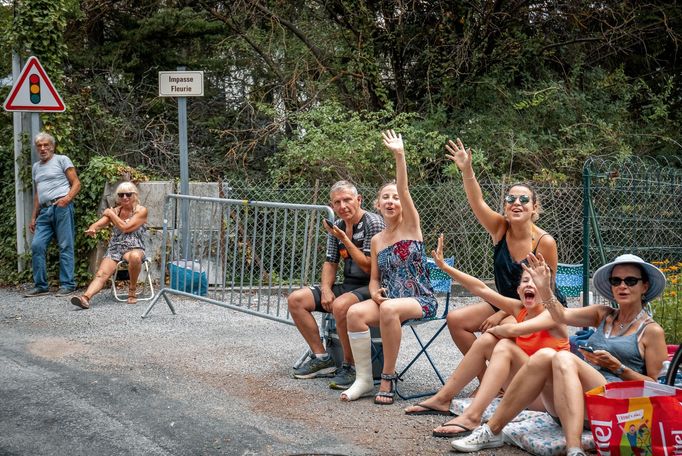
493, 222
542, 277
394, 143
474, 285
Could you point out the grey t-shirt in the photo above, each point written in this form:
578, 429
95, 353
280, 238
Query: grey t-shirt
50, 178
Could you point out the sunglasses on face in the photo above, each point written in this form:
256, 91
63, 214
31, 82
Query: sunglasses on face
629, 281
126, 194
523, 199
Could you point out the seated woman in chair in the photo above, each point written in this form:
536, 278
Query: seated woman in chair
399, 283
128, 220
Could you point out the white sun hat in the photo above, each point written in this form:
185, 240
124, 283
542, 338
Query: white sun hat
600, 279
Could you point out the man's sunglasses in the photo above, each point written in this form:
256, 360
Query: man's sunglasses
126, 194
629, 281
523, 199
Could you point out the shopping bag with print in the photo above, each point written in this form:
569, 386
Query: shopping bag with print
635, 418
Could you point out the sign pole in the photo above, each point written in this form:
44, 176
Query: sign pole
20, 194
184, 171
182, 84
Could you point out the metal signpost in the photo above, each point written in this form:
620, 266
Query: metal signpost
32, 92
182, 84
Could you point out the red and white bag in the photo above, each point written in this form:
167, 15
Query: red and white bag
636, 418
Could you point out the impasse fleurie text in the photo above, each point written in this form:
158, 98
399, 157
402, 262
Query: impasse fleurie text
176, 80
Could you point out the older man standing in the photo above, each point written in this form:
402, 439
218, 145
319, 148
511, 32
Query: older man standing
55, 185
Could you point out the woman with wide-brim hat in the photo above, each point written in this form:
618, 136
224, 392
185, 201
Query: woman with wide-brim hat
626, 345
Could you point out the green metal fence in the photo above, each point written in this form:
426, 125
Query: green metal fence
635, 206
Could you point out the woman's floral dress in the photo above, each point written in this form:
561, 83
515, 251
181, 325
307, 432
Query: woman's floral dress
403, 273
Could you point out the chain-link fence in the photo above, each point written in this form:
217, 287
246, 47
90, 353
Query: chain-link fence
635, 207
444, 209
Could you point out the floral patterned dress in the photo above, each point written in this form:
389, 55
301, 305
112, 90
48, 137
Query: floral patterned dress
403, 273
121, 242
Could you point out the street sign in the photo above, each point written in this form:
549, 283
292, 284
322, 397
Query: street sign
34, 91
181, 83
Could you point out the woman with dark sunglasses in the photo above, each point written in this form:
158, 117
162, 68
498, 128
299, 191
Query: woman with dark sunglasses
626, 345
514, 235
128, 220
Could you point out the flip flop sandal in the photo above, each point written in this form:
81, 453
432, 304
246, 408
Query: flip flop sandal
81, 301
464, 433
428, 411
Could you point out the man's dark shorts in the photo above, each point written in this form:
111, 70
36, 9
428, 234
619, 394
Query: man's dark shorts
361, 291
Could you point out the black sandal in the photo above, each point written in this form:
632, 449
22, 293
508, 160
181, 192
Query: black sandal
393, 378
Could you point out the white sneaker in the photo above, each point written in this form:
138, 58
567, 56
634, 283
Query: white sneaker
575, 451
481, 438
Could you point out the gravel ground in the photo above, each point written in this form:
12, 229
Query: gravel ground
205, 381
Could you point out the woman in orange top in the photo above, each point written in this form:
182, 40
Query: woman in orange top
534, 329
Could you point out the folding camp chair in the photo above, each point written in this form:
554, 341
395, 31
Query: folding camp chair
121, 273
441, 283
569, 279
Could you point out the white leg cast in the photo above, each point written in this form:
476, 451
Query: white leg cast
361, 345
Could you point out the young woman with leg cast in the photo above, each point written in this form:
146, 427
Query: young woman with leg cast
399, 283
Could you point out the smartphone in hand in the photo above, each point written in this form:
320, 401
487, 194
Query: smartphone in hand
330, 222
587, 348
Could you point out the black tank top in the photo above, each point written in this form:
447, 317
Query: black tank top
508, 272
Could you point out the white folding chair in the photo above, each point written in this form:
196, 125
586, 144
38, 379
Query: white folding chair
121, 274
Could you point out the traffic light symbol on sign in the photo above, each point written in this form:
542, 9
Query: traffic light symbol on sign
33, 91
34, 88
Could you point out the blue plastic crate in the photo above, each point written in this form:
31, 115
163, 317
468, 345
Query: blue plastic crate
188, 276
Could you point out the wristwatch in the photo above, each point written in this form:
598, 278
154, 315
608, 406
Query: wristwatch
620, 370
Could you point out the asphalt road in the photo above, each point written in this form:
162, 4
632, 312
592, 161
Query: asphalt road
208, 381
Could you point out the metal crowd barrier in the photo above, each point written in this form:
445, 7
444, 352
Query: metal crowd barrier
243, 255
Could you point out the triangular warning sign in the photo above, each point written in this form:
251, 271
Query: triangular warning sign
34, 91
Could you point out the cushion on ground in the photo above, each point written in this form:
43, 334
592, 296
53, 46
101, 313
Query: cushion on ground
534, 432
540, 435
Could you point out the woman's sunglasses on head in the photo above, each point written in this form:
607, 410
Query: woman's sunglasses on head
629, 281
126, 194
523, 199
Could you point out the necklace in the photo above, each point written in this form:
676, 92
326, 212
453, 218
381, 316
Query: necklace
632, 320
623, 327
